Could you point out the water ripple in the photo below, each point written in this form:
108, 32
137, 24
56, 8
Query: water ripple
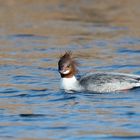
128, 51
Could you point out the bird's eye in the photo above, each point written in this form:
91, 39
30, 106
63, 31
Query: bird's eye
68, 66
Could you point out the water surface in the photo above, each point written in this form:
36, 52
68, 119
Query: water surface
104, 36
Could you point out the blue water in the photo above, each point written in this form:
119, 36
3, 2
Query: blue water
32, 106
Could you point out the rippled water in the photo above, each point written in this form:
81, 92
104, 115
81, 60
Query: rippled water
104, 36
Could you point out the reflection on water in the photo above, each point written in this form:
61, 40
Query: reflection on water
103, 35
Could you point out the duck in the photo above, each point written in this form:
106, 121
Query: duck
97, 82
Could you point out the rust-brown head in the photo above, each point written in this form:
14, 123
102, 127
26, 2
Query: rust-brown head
67, 65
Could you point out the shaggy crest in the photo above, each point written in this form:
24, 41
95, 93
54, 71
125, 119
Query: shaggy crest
68, 54
67, 57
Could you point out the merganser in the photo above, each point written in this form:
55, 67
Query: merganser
99, 82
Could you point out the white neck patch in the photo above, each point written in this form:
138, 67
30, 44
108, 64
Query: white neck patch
70, 84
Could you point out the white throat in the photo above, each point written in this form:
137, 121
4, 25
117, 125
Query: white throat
69, 84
